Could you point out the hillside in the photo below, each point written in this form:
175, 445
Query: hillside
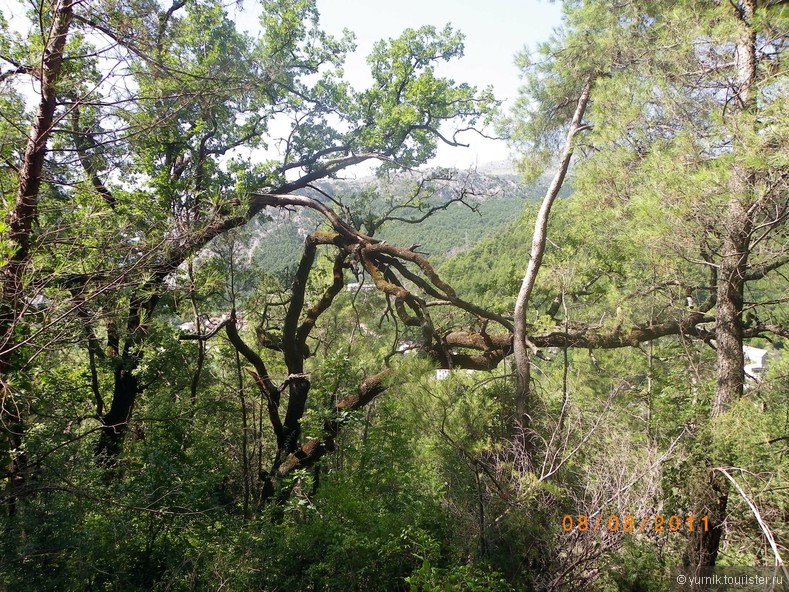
496, 198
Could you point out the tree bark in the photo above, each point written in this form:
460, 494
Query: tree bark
126, 385
20, 222
712, 493
712, 499
520, 346
738, 226
298, 391
116, 420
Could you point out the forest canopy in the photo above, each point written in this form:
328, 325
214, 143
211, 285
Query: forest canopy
225, 366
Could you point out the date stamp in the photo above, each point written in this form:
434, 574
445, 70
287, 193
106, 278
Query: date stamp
631, 523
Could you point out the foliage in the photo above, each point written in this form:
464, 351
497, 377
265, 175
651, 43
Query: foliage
219, 362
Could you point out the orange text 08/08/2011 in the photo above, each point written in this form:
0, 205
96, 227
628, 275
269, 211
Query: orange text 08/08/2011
631, 523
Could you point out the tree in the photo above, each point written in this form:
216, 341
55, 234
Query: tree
191, 103
20, 236
150, 156
679, 89
165, 143
539, 238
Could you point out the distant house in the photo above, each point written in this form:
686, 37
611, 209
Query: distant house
755, 362
444, 373
209, 323
407, 346
355, 286
40, 302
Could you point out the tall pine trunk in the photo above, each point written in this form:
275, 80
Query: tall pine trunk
712, 490
521, 351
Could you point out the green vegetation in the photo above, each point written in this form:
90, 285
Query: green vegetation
220, 371
279, 249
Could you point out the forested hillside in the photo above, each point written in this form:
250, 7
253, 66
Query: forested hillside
492, 201
230, 359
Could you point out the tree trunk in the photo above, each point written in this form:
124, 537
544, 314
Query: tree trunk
116, 420
711, 501
298, 389
712, 494
126, 385
20, 222
738, 226
523, 403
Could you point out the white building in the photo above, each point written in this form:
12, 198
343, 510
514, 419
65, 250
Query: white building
755, 362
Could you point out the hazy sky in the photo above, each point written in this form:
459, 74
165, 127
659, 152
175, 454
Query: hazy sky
495, 30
